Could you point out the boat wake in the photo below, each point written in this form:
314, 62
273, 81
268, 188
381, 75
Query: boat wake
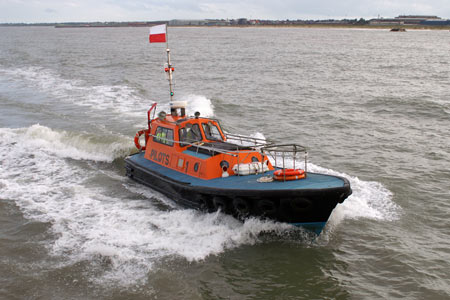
124, 233
118, 99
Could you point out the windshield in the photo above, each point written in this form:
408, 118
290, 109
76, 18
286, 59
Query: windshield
190, 134
211, 131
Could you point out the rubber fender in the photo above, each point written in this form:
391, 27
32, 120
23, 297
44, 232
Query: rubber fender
222, 204
203, 203
129, 171
267, 207
300, 204
241, 207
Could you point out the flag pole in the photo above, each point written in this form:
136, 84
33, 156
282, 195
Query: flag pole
169, 66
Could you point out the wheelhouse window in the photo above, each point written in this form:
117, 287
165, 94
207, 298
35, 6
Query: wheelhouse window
164, 136
189, 134
211, 131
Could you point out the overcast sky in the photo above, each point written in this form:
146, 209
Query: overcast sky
30, 11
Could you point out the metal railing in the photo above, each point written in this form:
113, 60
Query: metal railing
247, 140
289, 154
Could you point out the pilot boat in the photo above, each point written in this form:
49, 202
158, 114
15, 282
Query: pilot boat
194, 162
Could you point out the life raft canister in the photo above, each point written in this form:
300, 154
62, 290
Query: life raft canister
289, 174
136, 139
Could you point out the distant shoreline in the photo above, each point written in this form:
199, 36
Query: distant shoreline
387, 27
149, 24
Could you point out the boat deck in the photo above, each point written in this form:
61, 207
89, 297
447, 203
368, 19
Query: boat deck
248, 182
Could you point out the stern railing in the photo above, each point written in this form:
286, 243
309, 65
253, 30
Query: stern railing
286, 156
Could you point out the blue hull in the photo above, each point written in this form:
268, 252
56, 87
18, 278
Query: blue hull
315, 227
307, 203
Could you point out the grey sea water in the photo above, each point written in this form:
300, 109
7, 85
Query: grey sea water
370, 105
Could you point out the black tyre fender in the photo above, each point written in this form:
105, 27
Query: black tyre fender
129, 171
203, 203
300, 205
222, 204
267, 207
241, 207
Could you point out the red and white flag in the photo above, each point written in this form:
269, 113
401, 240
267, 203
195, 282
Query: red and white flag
158, 34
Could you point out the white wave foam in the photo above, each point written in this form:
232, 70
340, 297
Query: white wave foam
369, 199
116, 98
66, 144
259, 138
194, 103
39, 77
258, 135
120, 99
200, 104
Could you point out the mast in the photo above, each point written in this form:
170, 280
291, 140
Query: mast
159, 34
169, 68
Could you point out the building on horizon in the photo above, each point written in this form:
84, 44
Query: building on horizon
179, 22
410, 20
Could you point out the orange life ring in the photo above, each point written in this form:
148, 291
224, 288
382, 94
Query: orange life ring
289, 178
289, 174
136, 139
